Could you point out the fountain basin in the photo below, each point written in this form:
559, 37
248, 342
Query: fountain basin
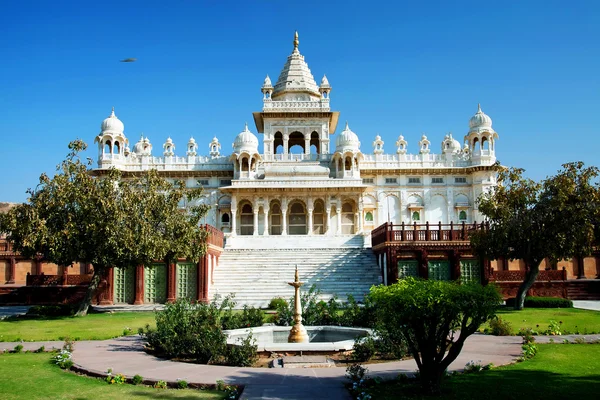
322, 339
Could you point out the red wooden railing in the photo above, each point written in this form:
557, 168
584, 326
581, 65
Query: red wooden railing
451, 232
214, 236
519, 276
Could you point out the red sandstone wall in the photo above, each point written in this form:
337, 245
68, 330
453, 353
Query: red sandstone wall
4, 265
21, 270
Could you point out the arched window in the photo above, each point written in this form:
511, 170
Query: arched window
369, 216
314, 143
416, 216
462, 215
245, 165
475, 144
117, 148
107, 147
347, 219
318, 218
485, 144
246, 220
225, 219
348, 164
277, 143
275, 219
297, 219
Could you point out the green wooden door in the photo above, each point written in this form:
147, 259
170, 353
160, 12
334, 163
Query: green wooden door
124, 285
155, 283
187, 281
439, 270
470, 271
408, 268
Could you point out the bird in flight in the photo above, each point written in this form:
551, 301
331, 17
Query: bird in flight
129, 60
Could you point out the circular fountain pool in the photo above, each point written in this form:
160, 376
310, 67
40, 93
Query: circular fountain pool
322, 339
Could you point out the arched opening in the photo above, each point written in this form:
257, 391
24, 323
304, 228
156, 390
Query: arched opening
475, 144
296, 143
416, 216
245, 166
340, 165
462, 215
485, 144
347, 219
246, 220
117, 148
348, 163
369, 217
278, 143
107, 147
319, 218
253, 164
297, 218
314, 143
275, 219
225, 219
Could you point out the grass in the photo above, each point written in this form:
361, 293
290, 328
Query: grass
32, 376
91, 327
556, 372
573, 320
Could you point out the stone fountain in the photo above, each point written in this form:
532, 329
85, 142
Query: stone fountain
299, 339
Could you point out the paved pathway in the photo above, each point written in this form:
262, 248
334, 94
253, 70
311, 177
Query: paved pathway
125, 355
587, 304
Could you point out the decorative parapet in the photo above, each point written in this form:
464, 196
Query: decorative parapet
519, 276
321, 105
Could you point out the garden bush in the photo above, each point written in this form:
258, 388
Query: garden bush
499, 327
61, 310
364, 348
542, 302
244, 354
195, 331
277, 302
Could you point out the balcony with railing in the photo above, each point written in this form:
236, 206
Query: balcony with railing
407, 233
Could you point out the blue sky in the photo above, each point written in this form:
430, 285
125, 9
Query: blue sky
395, 68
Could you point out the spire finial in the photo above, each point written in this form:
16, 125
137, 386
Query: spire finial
479, 107
296, 41
296, 275
347, 126
112, 113
246, 127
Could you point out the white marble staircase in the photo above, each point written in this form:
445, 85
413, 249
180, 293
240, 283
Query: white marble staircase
256, 274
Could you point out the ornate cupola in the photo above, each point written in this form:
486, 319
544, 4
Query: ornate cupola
347, 154
401, 144
325, 87
215, 147
481, 138
424, 145
245, 154
111, 141
143, 147
192, 148
267, 88
378, 145
169, 148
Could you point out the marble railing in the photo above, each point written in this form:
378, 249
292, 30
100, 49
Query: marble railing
322, 105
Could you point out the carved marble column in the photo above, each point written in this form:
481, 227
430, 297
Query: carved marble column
266, 229
307, 145
139, 285
286, 138
310, 221
328, 223
233, 224
283, 222
338, 212
361, 217
255, 232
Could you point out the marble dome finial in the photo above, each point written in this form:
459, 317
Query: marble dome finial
296, 41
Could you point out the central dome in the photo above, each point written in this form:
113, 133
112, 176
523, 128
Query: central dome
480, 119
245, 141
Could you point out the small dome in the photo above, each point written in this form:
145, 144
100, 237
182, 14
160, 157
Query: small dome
480, 120
347, 141
112, 124
143, 147
450, 145
192, 140
267, 82
324, 81
245, 141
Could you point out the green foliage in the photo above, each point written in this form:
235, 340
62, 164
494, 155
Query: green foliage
553, 329
364, 349
18, 348
115, 379
62, 310
432, 318
542, 302
76, 216
137, 379
63, 359
500, 327
277, 302
181, 384
195, 331
244, 354
554, 219
160, 385
41, 349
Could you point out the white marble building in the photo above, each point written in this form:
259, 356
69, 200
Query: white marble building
307, 180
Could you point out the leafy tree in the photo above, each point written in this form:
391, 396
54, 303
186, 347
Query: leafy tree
433, 318
108, 221
533, 221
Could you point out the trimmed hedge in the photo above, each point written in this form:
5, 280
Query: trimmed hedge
543, 302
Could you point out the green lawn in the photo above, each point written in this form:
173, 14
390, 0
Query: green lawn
90, 327
32, 376
573, 320
557, 372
